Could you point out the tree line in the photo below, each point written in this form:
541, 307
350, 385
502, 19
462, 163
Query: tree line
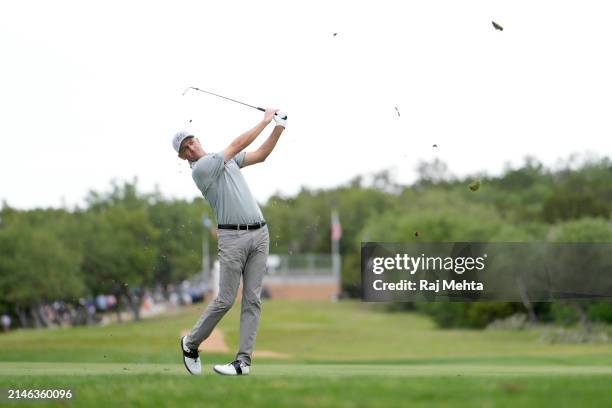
124, 240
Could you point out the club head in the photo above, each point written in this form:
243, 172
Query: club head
187, 89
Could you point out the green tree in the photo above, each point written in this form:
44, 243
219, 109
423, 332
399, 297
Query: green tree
35, 267
119, 253
573, 260
179, 242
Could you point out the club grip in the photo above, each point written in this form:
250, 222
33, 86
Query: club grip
263, 110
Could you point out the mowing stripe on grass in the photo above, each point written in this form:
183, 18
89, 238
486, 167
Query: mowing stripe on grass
302, 370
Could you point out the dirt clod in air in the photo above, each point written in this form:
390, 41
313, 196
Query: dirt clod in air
497, 26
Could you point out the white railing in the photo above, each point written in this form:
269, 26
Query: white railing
306, 267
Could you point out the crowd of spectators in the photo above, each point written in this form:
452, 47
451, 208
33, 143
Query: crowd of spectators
91, 310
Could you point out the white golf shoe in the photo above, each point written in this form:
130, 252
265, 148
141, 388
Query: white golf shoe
236, 367
191, 359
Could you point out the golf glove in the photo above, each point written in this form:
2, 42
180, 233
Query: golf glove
278, 118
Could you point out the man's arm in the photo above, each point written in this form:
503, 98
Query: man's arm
265, 149
245, 139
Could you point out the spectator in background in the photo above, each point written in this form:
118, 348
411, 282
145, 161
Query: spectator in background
6, 322
101, 303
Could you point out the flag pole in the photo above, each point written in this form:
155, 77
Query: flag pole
336, 234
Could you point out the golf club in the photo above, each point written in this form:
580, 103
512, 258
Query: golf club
225, 97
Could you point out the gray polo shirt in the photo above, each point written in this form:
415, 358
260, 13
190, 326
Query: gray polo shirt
227, 192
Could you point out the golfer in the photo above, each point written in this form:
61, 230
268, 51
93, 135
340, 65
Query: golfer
242, 236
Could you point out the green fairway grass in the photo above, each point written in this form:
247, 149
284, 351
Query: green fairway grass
339, 354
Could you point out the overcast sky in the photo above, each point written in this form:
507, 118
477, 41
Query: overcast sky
91, 92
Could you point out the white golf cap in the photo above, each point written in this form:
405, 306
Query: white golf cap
178, 138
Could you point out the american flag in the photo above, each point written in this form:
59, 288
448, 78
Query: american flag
336, 228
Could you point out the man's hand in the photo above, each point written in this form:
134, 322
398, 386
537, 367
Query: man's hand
269, 114
278, 118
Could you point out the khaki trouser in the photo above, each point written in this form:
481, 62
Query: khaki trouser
243, 254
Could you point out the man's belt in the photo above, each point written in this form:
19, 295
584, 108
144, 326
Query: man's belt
242, 226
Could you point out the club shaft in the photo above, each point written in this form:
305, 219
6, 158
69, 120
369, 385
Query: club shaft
229, 99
